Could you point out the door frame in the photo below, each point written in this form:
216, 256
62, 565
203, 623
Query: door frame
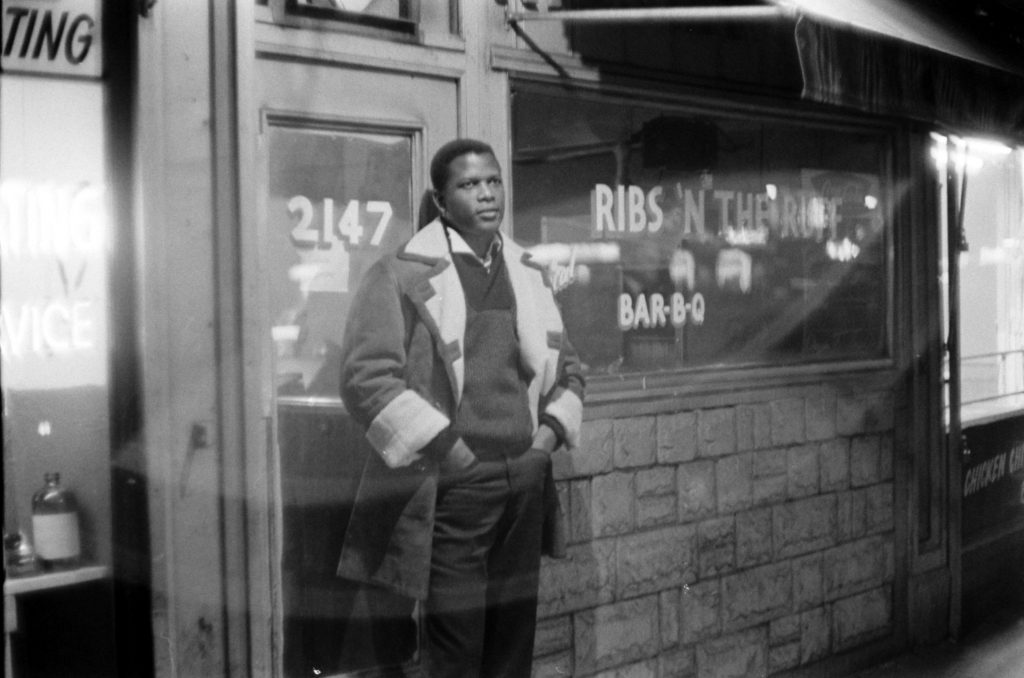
263, 609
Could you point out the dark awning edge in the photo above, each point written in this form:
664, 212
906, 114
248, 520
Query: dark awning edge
887, 76
628, 15
902, 20
869, 55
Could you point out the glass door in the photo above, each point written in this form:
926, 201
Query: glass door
343, 167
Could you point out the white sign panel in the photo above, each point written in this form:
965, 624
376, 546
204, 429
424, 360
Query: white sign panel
55, 235
54, 37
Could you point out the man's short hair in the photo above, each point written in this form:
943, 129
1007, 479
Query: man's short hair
440, 166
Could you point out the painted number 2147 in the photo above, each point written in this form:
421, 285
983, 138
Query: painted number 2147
350, 227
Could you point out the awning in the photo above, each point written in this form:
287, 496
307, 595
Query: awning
881, 56
895, 19
892, 58
925, 75
891, 18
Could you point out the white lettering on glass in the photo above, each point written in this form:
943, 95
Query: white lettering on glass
984, 474
44, 225
742, 217
626, 210
601, 203
322, 231
52, 328
48, 219
649, 311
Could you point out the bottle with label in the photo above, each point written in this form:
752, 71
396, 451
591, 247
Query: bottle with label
55, 525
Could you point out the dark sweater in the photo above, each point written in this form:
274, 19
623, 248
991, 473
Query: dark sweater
494, 411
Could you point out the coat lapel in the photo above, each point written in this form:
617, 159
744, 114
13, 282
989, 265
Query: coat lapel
440, 299
537, 319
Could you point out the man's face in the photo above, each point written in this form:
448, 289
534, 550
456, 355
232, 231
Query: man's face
473, 200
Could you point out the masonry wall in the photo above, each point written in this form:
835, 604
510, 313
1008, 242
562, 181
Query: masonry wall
732, 541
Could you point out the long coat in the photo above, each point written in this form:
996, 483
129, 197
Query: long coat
402, 379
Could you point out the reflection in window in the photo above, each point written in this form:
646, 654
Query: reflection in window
57, 233
400, 15
681, 239
337, 200
992, 282
385, 8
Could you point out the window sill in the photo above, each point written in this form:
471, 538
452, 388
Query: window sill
51, 580
653, 393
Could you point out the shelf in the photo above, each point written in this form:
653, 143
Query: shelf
51, 580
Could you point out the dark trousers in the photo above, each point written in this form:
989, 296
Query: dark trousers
481, 609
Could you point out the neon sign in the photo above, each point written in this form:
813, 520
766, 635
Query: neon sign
51, 220
49, 328
53, 247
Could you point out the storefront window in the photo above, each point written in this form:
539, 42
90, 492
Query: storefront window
337, 198
683, 239
55, 241
981, 195
992, 282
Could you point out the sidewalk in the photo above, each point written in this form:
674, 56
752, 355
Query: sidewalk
995, 649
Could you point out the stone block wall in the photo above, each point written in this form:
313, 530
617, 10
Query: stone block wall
726, 542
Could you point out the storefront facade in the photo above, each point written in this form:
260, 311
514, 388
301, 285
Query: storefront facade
751, 262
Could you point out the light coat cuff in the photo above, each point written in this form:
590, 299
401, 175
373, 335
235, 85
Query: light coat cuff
404, 427
567, 408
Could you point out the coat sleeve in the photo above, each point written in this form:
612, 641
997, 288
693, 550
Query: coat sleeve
399, 422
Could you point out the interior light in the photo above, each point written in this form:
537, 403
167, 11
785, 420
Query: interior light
870, 201
842, 250
972, 152
989, 147
682, 268
772, 191
586, 252
940, 156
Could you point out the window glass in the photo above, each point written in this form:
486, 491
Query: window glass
686, 239
391, 8
54, 226
337, 199
55, 241
399, 15
992, 282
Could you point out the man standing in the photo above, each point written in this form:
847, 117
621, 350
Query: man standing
456, 362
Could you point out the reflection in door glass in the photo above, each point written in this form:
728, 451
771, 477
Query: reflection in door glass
406, 11
337, 199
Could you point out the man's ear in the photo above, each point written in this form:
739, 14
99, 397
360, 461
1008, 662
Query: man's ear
438, 200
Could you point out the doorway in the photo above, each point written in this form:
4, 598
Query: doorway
342, 155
